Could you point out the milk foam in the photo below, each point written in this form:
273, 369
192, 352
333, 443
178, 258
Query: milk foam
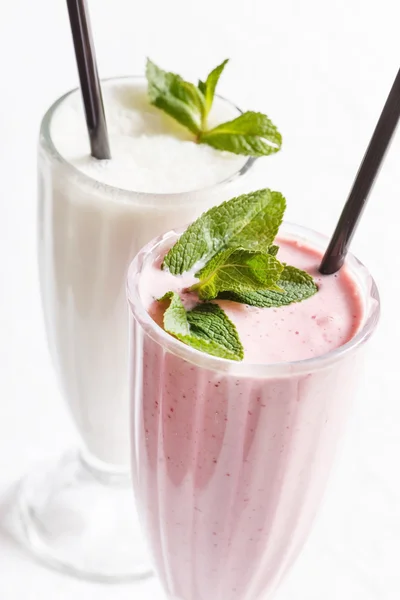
150, 151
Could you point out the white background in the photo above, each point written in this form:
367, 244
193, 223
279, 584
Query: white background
321, 70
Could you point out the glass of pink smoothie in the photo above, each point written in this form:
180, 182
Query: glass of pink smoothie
230, 459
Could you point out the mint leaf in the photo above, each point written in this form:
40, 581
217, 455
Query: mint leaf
273, 250
175, 319
180, 99
208, 89
202, 87
251, 134
206, 328
213, 231
297, 285
237, 270
260, 233
214, 332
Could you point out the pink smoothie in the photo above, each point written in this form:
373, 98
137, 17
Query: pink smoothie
295, 332
229, 459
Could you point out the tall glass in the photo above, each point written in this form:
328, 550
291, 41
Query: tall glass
77, 515
230, 460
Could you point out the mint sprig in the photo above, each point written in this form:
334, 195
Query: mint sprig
237, 270
234, 244
206, 328
232, 223
250, 134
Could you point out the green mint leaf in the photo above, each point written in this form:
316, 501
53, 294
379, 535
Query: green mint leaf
175, 319
208, 89
178, 98
213, 231
273, 250
237, 270
202, 87
214, 332
251, 134
296, 286
260, 233
206, 328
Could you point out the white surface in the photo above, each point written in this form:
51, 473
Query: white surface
321, 71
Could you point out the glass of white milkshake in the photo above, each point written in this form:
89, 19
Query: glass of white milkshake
94, 216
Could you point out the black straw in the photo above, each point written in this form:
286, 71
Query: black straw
89, 79
338, 246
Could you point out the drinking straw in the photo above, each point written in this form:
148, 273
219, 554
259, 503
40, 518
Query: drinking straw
339, 244
89, 79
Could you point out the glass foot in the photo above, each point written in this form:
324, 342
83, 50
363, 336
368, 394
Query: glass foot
81, 520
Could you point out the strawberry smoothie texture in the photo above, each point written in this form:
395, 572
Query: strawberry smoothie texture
230, 460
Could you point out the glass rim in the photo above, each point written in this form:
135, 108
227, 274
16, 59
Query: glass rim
84, 179
242, 368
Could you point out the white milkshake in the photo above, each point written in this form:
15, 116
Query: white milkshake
94, 217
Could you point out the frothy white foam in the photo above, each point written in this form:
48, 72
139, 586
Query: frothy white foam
150, 151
